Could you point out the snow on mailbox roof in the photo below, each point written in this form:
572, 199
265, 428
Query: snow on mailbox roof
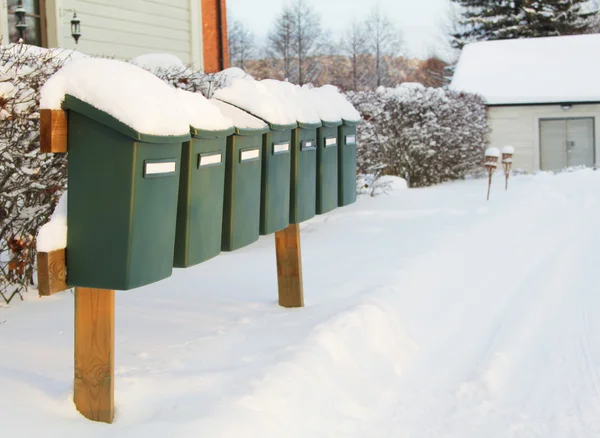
241, 119
326, 112
255, 98
203, 114
295, 98
536, 70
130, 94
338, 103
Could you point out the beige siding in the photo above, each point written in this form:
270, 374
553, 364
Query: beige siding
127, 28
518, 126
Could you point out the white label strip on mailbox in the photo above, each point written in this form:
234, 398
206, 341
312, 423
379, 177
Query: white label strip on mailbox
250, 154
207, 160
330, 141
308, 144
158, 168
283, 147
350, 139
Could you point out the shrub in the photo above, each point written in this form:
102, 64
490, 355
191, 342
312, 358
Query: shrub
30, 182
424, 135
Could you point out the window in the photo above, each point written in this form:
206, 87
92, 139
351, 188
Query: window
35, 20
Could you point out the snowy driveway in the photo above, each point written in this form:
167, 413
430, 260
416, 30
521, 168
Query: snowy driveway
430, 313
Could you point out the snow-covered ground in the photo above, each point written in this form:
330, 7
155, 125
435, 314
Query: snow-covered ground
430, 313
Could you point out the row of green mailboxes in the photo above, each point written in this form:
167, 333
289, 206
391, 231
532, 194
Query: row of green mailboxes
141, 204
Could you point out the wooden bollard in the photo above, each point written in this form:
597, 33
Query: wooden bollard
491, 163
289, 266
93, 389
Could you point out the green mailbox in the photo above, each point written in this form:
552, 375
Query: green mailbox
327, 166
303, 200
122, 205
275, 184
243, 170
347, 141
201, 190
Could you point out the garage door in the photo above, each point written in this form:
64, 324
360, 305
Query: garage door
566, 143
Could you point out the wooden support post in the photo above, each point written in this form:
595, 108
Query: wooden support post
93, 386
94, 353
289, 266
53, 131
52, 272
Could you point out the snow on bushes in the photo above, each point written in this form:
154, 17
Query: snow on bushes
30, 182
424, 135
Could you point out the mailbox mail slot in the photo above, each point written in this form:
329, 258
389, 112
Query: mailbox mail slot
351, 139
214, 159
159, 168
281, 148
249, 154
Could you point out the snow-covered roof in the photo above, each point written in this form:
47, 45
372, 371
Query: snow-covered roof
536, 70
338, 103
296, 98
129, 93
203, 114
255, 98
241, 119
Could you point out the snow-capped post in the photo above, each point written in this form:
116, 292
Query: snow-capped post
507, 159
491, 163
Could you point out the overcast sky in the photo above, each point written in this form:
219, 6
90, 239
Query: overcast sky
420, 21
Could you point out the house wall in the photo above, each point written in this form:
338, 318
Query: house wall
126, 28
518, 126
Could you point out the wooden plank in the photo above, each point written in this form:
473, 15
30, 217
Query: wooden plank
52, 272
53, 131
94, 353
289, 266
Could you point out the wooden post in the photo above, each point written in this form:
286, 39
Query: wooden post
289, 266
53, 131
93, 388
52, 272
94, 353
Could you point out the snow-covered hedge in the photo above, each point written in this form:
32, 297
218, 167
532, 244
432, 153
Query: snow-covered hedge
424, 135
30, 182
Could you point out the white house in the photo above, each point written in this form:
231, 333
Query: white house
120, 28
543, 96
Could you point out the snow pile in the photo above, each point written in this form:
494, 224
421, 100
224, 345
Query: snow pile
129, 93
492, 152
326, 112
255, 98
508, 150
158, 61
226, 77
296, 98
537, 70
240, 119
53, 235
338, 103
201, 113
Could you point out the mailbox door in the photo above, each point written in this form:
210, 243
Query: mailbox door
275, 186
241, 206
327, 169
304, 175
200, 205
121, 213
347, 165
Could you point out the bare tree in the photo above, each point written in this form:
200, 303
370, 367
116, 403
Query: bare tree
280, 44
384, 42
295, 42
354, 45
241, 44
307, 42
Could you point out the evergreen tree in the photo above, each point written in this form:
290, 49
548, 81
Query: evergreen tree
484, 20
